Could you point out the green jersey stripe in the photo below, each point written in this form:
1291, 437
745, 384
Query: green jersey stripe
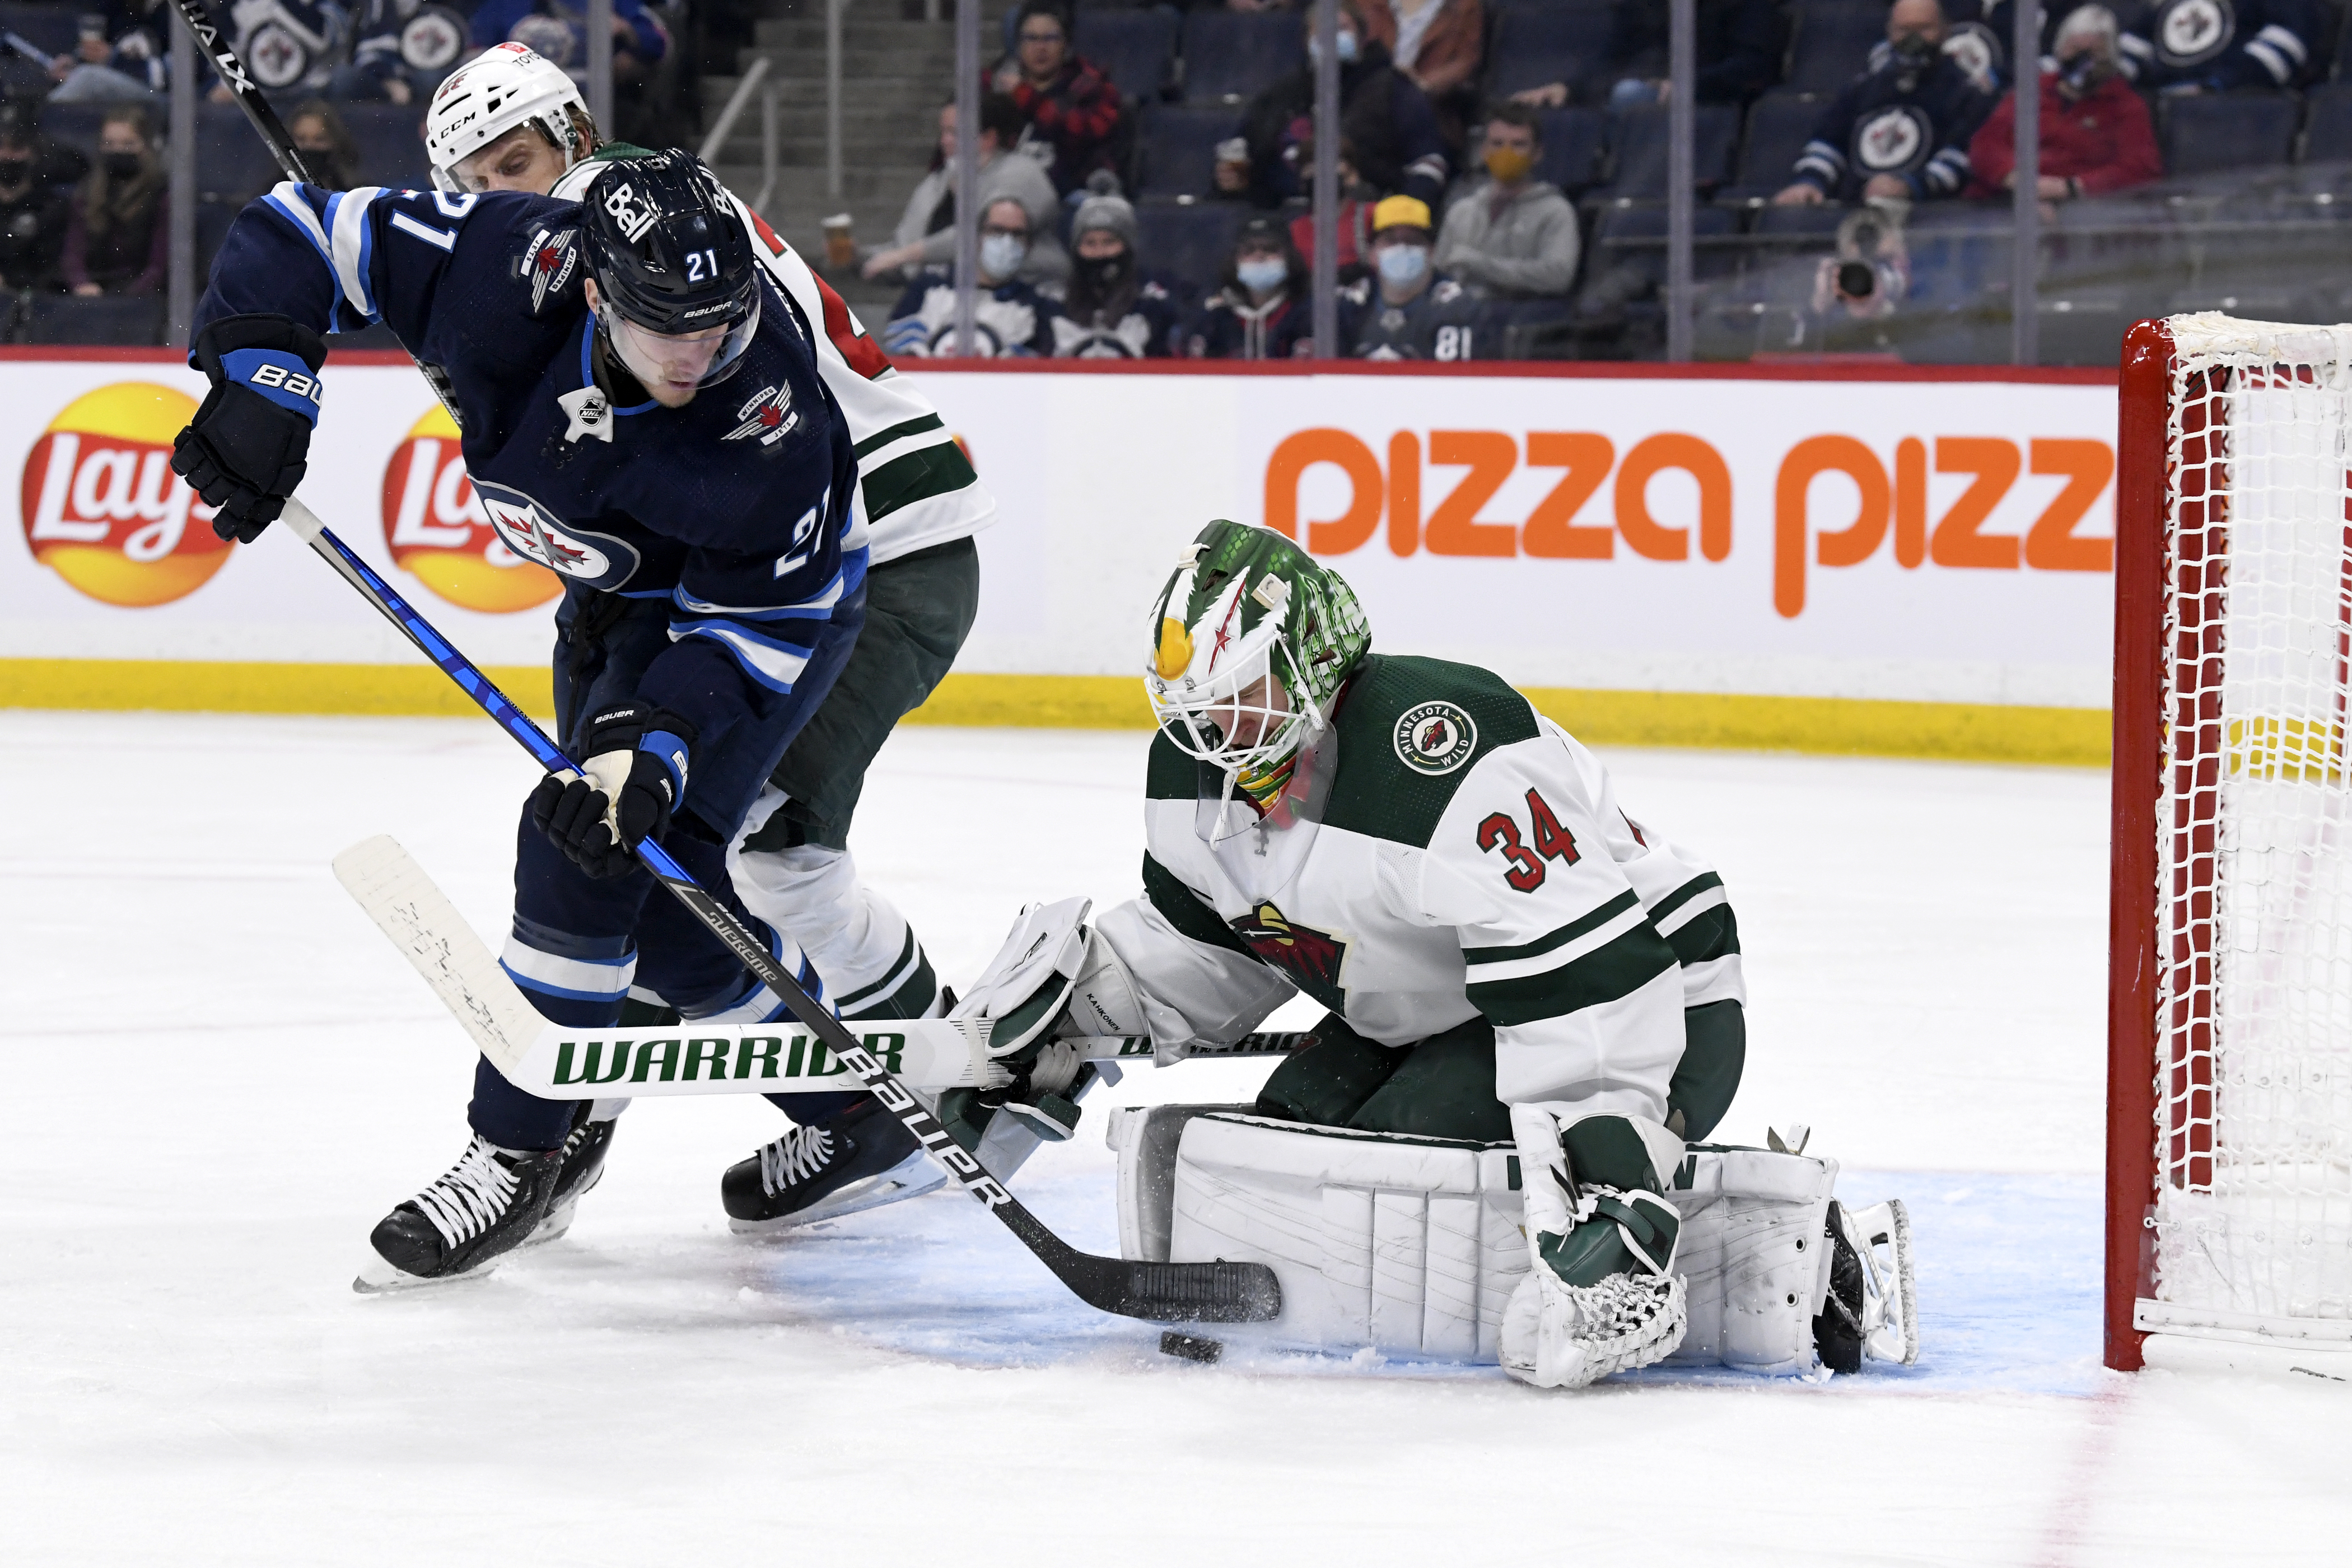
1685, 894
905, 954
918, 476
1618, 969
1560, 938
1184, 910
1710, 934
900, 431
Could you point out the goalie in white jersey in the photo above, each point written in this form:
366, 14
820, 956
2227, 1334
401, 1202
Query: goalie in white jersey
1510, 959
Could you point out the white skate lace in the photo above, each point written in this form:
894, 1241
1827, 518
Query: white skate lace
796, 1157
470, 1197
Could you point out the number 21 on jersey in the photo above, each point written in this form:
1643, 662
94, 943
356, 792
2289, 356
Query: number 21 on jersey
1552, 842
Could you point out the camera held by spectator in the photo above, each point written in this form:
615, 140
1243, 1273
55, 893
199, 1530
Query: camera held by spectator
1871, 272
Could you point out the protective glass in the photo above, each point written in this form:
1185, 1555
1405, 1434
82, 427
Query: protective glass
709, 356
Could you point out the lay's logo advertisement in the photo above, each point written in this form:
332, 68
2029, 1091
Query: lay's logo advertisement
102, 508
438, 532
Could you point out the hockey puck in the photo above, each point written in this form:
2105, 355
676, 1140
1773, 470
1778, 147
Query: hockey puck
1190, 1348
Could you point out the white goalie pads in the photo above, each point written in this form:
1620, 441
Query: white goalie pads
1414, 1247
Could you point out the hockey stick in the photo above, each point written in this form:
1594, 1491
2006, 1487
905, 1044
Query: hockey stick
556, 1062
1173, 1292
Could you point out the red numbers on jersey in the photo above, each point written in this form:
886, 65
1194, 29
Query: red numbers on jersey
1553, 842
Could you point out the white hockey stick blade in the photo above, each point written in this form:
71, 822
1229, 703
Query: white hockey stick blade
406, 906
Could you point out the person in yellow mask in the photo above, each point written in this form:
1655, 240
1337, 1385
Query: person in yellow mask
1512, 237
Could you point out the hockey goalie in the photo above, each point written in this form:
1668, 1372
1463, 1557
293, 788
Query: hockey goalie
1492, 1146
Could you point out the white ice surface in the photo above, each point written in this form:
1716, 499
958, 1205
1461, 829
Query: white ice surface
220, 1076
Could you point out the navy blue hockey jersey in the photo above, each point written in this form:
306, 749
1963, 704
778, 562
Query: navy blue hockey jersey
2221, 44
1912, 124
735, 511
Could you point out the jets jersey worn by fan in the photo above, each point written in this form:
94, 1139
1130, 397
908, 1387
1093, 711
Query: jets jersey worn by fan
1453, 855
737, 509
917, 487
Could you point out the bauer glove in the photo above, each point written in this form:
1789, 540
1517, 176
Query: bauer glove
636, 772
249, 443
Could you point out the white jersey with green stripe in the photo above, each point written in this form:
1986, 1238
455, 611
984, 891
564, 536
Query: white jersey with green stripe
1449, 854
917, 487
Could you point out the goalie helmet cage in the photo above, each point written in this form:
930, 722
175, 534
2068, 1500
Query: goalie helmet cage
2229, 992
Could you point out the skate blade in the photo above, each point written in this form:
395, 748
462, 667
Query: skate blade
909, 1178
553, 1227
378, 1276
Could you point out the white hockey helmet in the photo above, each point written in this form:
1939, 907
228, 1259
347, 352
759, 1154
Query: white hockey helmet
489, 96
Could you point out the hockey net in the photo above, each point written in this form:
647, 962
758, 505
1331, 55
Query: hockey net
2231, 1143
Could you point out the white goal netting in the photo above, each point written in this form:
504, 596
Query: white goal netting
2254, 1086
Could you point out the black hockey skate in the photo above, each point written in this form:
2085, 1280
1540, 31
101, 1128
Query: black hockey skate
583, 1154
856, 1159
485, 1206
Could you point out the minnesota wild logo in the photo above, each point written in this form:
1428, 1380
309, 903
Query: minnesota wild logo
1310, 957
1436, 737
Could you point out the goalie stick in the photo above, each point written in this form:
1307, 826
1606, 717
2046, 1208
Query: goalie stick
1167, 1292
559, 1062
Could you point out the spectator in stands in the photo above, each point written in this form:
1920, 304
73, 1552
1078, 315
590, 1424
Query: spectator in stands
1065, 103
329, 149
1870, 274
1357, 201
304, 41
55, 162
1514, 236
1388, 119
1407, 308
1111, 310
33, 216
559, 29
1901, 131
1260, 312
119, 57
926, 235
1010, 317
401, 51
2210, 46
2096, 135
1740, 46
117, 232
1439, 45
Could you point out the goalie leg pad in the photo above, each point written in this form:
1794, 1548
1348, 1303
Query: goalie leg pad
1756, 1257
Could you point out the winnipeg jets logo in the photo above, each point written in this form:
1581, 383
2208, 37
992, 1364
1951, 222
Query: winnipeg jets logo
1311, 957
598, 559
1891, 140
768, 415
2194, 31
548, 264
1434, 738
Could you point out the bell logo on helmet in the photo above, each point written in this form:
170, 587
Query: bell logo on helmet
634, 215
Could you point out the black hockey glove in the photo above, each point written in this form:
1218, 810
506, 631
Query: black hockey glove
245, 449
637, 772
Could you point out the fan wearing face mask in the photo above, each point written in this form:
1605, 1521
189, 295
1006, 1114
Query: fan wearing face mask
1111, 310
1009, 318
118, 236
33, 216
2096, 134
1261, 311
1901, 130
1514, 238
1407, 308
1383, 116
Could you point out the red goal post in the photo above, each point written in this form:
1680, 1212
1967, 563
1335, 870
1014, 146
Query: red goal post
2228, 1202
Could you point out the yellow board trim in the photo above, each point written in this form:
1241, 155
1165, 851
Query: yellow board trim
1834, 726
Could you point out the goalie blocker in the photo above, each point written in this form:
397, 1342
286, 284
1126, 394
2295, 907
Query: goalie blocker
1414, 1246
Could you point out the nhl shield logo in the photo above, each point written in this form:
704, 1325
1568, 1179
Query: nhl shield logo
1436, 737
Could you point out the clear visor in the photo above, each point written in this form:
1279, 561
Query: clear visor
1243, 722
684, 360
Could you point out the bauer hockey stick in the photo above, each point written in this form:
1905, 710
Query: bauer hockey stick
1167, 1292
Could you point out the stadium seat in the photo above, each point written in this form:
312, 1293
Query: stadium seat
2327, 133
1574, 143
1635, 237
1180, 146
1817, 221
120, 320
1779, 125
1231, 56
1637, 148
391, 144
1188, 241
1136, 49
1553, 41
2206, 132
1833, 44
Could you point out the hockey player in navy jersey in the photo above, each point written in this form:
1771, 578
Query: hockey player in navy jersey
640, 409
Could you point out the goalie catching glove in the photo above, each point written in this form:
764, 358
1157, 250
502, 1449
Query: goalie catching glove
1600, 1295
636, 775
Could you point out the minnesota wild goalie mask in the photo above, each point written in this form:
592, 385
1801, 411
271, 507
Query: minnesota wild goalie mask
1251, 641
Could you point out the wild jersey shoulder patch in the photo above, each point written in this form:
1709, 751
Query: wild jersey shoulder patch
549, 265
1435, 737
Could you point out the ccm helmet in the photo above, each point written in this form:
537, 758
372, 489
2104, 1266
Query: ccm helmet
1246, 604
496, 91
671, 259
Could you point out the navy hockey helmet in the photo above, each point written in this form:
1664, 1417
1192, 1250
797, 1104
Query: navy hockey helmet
674, 267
